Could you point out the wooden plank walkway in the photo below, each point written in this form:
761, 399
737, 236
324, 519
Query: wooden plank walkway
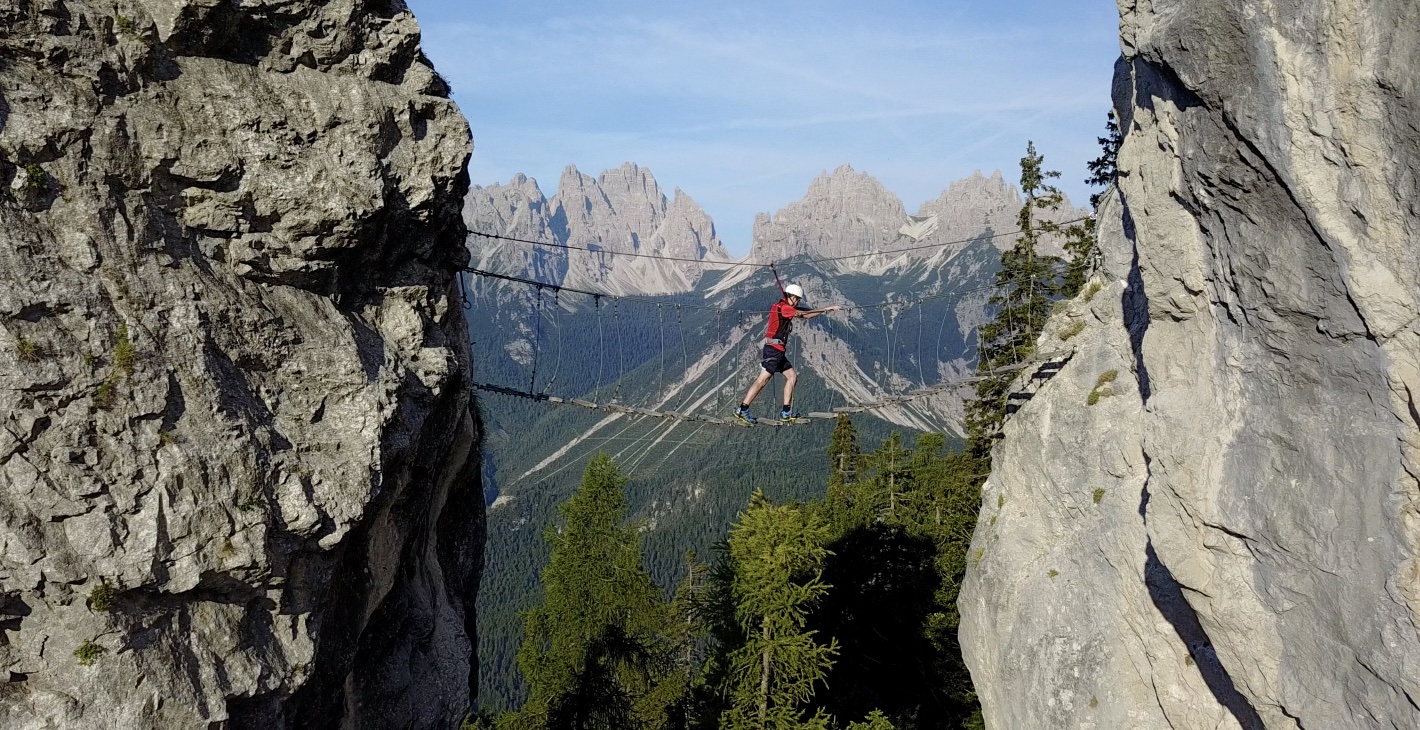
817, 415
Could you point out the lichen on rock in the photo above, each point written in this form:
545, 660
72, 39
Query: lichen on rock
238, 456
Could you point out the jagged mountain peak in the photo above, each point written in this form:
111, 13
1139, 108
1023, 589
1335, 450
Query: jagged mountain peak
622, 209
843, 212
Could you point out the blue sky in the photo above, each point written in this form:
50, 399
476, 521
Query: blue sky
742, 104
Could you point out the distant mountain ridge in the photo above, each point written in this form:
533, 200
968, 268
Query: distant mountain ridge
843, 213
623, 209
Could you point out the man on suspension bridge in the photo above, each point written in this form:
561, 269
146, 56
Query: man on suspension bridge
773, 358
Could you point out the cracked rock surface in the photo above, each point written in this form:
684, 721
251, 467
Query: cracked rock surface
238, 457
1227, 537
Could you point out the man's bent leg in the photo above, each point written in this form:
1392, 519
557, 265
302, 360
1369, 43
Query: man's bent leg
758, 385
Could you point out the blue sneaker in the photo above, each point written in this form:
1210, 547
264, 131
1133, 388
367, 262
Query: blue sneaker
742, 413
787, 415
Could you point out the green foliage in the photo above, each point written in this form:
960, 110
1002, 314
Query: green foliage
1104, 170
1081, 243
1100, 390
601, 649
90, 360
106, 395
1093, 289
772, 576
126, 27
124, 354
1075, 328
901, 535
843, 453
1052, 573
102, 596
88, 653
1099, 495
476, 722
26, 350
874, 721
36, 179
1025, 284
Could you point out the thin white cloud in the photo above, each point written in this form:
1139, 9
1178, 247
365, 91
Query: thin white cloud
742, 105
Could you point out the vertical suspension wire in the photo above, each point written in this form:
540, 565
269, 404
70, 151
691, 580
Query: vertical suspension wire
620, 349
921, 379
684, 366
937, 358
537, 338
556, 325
601, 344
719, 329
661, 316
887, 348
832, 392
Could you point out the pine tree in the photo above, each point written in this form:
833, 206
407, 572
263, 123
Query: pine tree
1022, 300
595, 653
874, 721
1104, 170
776, 554
1083, 248
843, 452
891, 478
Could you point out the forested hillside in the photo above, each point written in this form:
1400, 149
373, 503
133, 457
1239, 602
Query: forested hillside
910, 323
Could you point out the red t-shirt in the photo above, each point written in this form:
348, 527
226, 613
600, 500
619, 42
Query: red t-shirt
781, 317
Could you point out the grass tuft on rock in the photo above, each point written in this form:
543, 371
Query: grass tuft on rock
1100, 391
125, 356
1075, 328
36, 179
27, 350
1099, 495
1093, 289
89, 652
101, 598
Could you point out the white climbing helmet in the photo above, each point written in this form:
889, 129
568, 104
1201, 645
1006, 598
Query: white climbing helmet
794, 290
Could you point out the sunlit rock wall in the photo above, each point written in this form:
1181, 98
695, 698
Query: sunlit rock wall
1227, 537
238, 460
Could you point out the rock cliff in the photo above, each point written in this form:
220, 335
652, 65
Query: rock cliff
848, 212
1208, 516
238, 462
622, 210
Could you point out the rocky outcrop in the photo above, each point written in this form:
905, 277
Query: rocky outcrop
238, 464
1224, 534
845, 213
622, 210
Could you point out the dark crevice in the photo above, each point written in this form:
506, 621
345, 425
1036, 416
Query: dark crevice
1167, 596
1135, 303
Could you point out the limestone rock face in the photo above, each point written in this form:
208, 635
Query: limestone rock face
1227, 536
622, 210
845, 213
238, 463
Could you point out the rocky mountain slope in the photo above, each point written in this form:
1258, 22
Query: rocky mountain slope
238, 466
622, 210
846, 213
1225, 533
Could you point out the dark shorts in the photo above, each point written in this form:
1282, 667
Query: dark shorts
773, 360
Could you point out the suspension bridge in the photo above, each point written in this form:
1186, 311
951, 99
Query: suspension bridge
692, 410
